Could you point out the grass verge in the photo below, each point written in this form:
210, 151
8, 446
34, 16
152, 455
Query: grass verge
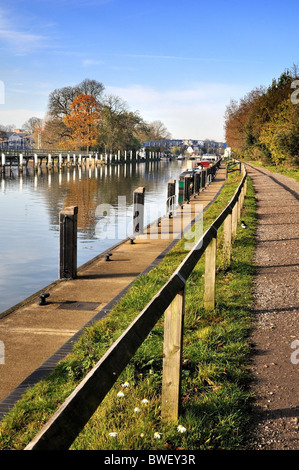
215, 374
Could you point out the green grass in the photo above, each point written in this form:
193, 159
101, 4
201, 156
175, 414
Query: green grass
215, 355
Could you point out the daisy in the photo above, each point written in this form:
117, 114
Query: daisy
157, 435
120, 394
145, 400
126, 385
136, 409
181, 428
113, 434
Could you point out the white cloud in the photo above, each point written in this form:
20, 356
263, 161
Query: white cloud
20, 41
195, 113
91, 62
18, 116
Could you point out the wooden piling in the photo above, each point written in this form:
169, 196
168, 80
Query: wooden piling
170, 197
68, 243
138, 210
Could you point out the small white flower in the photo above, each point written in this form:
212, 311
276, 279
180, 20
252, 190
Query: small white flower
157, 435
136, 409
120, 394
113, 434
145, 401
126, 385
181, 428
142, 434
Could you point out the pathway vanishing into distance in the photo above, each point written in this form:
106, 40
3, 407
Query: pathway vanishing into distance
275, 337
37, 337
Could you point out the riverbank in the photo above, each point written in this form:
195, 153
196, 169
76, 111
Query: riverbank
214, 369
37, 337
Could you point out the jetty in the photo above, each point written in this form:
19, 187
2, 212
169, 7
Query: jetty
37, 158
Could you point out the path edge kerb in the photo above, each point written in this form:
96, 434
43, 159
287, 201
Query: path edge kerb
49, 365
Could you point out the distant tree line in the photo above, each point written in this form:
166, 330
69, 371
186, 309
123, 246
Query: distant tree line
264, 125
81, 117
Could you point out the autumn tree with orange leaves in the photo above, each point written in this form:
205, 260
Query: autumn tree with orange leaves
83, 122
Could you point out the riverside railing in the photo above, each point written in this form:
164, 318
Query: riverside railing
65, 425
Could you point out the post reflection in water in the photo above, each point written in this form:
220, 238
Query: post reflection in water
30, 204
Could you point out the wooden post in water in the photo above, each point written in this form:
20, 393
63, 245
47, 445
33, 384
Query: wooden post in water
138, 210
172, 358
3, 162
21, 163
35, 160
210, 274
68, 243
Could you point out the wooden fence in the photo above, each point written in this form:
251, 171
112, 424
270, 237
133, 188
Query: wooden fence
65, 425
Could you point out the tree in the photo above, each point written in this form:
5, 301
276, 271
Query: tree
158, 131
32, 124
264, 124
83, 121
154, 130
54, 134
118, 125
60, 100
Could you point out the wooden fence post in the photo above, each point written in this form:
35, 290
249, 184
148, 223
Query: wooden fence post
172, 358
210, 274
68, 243
239, 206
138, 210
227, 239
235, 219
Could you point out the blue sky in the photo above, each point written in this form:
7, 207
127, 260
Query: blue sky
180, 62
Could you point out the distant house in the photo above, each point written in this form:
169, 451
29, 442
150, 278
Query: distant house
17, 139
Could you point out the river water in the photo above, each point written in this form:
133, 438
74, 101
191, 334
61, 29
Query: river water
30, 206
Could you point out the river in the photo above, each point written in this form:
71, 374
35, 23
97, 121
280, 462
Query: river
30, 206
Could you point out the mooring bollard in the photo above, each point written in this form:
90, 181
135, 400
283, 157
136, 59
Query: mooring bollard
170, 197
68, 243
138, 210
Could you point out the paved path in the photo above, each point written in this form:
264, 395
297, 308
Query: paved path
275, 412
36, 337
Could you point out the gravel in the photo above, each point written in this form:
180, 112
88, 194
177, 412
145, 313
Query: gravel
275, 409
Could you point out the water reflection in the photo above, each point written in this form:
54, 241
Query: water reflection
30, 204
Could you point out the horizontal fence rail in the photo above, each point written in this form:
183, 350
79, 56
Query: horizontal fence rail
65, 425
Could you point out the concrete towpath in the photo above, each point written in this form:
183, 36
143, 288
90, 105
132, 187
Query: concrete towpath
37, 337
275, 336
